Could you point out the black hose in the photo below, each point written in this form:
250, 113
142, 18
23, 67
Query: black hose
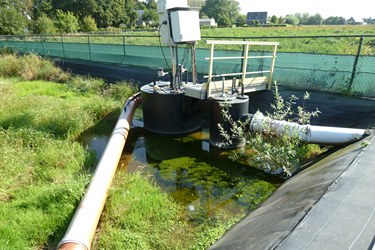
130, 100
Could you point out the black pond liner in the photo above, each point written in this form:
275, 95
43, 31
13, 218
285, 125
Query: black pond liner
329, 205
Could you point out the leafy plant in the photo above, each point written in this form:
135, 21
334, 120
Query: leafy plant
88, 24
66, 22
277, 153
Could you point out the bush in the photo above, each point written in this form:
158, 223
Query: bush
44, 25
278, 154
123, 26
66, 22
88, 24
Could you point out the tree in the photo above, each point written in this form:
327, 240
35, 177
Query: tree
317, 19
293, 20
280, 20
335, 20
241, 20
12, 22
44, 25
223, 21
151, 4
139, 5
274, 19
88, 24
222, 10
14, 16
369, 20
197, 3
150, 15
66, 22
131, 13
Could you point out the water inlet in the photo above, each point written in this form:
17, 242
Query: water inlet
86, 218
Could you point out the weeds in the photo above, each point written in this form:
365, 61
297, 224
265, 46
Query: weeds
30, 67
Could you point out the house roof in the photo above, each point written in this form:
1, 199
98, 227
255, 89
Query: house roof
256, 15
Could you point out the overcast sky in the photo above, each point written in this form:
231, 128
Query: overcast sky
344, 8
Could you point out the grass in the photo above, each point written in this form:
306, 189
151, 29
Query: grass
43, 169
346, 46
151, 220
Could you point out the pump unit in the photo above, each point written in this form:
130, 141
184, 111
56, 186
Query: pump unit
178, 22
185, 26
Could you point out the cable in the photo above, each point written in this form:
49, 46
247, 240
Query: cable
161, 47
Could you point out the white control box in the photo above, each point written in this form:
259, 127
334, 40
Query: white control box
185, 26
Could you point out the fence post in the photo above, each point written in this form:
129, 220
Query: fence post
62, 44
355, 65
26, 44
88, 40
14, 47
41, 39
243, 54
124, 45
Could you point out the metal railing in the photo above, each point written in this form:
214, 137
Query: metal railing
249, 83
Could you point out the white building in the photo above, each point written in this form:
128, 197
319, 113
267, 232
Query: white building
207, 22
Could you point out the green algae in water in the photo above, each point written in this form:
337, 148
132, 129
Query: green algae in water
204, 183
216, 187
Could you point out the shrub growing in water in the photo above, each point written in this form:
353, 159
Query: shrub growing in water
281, 154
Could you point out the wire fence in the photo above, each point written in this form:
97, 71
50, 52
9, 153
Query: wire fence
341, 64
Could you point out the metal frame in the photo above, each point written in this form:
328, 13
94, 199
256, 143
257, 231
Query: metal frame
251, 84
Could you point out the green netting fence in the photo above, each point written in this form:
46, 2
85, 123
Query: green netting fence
341, 64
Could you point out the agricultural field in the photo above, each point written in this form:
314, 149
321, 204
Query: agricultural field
318, 45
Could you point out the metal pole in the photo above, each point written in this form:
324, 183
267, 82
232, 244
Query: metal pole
244, 68
355, 64
193, 64
26, 45
173, 60
178, 69
41, 39
13, 42
88, 40
124, 45
210, 69
272, 67
243, 54
62, 45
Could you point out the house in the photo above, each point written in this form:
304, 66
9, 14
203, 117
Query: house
356, 20
256, 16
207, 22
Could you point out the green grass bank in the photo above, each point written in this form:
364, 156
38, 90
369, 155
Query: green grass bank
44, 169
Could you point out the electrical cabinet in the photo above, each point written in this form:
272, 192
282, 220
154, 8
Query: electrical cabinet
185, 26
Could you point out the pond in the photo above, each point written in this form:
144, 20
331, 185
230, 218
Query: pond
196, 175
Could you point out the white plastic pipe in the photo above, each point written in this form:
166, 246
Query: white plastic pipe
83, 225
307, 133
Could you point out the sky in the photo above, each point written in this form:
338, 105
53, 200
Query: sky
327, 8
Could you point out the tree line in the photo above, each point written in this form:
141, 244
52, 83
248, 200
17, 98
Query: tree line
57, 16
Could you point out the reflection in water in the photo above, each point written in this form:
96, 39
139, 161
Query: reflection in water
198, 176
